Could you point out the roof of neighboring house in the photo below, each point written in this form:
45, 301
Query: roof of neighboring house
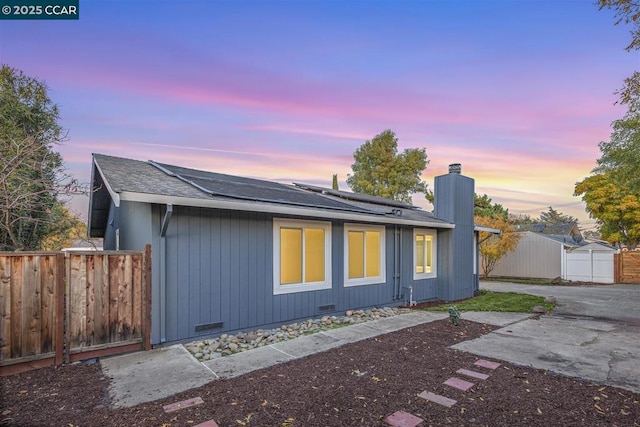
598, 245
116, 178
572, 241
567, 229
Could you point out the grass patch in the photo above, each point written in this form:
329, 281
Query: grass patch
497, 301
543, 282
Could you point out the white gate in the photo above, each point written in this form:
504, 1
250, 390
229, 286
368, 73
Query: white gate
588, 265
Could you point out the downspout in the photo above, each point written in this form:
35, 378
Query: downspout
116, 226
396, 263
476, 261
163, 271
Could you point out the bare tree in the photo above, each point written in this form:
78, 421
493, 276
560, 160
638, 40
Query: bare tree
31, 171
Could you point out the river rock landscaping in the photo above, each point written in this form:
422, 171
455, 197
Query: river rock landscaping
227, 344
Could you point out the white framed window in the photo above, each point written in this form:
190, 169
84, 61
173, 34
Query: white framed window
301, 256
424, 253
364, 255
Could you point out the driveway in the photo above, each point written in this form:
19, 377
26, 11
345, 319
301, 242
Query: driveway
593, 334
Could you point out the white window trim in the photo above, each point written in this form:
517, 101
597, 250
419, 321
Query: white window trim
382, 278
434, 235
279, 289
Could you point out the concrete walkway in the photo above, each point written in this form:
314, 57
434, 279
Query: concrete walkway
593, 334
147, 376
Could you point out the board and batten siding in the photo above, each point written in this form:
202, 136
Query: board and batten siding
536, 256
216, 267
454, 202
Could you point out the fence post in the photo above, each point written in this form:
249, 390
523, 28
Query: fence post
59, 315
146, 299
616, 268
67, 309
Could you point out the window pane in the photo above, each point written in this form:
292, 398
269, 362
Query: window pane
314, 255
420, 253
356, 254
373, 253
428, 262
290, 255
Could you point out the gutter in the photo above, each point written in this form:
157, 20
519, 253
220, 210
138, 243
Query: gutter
275, 209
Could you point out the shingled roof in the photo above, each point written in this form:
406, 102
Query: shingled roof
116, 178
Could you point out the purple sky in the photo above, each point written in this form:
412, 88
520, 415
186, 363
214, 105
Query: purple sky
519, 92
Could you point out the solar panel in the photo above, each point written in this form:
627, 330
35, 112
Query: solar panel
254, 189
359, 197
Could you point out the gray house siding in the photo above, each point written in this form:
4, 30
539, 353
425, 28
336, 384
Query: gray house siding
212, 254
455, 203
216, 266
110, 231
128, 226
134, 222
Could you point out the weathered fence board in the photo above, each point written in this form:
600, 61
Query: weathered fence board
5, 308
105, 303
107, 306
30, 307
627, 267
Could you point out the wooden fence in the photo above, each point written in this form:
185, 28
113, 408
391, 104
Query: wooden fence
63, 307
627, 267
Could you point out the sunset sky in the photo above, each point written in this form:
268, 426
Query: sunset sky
519, 92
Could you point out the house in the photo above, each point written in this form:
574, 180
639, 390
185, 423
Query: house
232, 253
536, 256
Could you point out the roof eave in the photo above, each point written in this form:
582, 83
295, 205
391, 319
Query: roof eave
487, 229
114, 195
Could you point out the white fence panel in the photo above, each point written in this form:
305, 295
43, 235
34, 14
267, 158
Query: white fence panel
589, 266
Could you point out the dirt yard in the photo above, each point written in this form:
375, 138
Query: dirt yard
358, 384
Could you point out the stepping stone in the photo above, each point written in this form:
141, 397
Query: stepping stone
458, 383
209, 423
487, 364
403, 419
183, 404
473, 374
436, 398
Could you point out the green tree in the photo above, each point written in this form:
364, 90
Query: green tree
627, 12
553, 216
379, 170
30, 169
622, 153
521, 219
334, 183
616, 208
484, 207
66, 230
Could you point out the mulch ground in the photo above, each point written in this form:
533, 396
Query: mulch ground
357, 384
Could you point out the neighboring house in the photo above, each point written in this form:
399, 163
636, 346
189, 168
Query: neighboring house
536, 256
232, 253
565, 255
85, 245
